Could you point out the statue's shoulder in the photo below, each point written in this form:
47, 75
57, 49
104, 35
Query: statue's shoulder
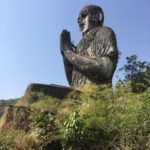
105, 31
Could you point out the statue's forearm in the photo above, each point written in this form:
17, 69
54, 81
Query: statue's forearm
90, 67
77, 60
68, 69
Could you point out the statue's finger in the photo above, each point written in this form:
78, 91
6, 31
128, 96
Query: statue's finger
69, 34
64, 31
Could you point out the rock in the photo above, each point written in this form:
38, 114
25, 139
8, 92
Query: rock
53, 90
16, 117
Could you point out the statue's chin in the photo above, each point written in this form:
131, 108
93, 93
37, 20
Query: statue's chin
85, 31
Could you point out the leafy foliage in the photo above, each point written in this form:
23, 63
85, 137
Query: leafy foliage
137, 72
73, 130
43, 125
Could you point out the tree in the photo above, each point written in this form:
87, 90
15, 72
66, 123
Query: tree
137, 73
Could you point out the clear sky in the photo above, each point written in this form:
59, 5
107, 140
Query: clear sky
30, 30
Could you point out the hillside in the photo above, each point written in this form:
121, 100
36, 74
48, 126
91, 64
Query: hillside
98, 118
5, 103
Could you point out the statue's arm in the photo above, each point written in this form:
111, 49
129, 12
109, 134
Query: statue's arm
99, 66
68, 70
90, 67
65, 43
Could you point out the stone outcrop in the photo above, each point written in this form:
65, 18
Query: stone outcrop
15, 117
53, 90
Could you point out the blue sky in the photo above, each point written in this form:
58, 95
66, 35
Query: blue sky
30, 30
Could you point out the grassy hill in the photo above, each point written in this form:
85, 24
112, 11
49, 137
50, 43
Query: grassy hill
98, 118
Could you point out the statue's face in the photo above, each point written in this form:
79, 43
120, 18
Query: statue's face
84, 22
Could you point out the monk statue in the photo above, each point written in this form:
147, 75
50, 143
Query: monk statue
95, 58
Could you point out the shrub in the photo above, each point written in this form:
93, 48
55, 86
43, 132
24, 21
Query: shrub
73, 131
137, 72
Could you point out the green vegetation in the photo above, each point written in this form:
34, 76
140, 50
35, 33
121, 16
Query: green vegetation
137, 73
5, 103
98, 118
6, 141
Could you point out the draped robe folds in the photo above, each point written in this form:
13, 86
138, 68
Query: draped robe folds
94, 60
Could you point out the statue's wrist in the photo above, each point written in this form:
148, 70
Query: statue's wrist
67, 47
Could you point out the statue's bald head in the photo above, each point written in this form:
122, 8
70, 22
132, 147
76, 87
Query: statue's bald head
91, 14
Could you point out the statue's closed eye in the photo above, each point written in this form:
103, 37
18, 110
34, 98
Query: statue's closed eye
84, 15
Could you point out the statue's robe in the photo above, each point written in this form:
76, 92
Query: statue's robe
94, 60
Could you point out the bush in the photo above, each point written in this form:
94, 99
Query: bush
73, 131
43, 125
137, 73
